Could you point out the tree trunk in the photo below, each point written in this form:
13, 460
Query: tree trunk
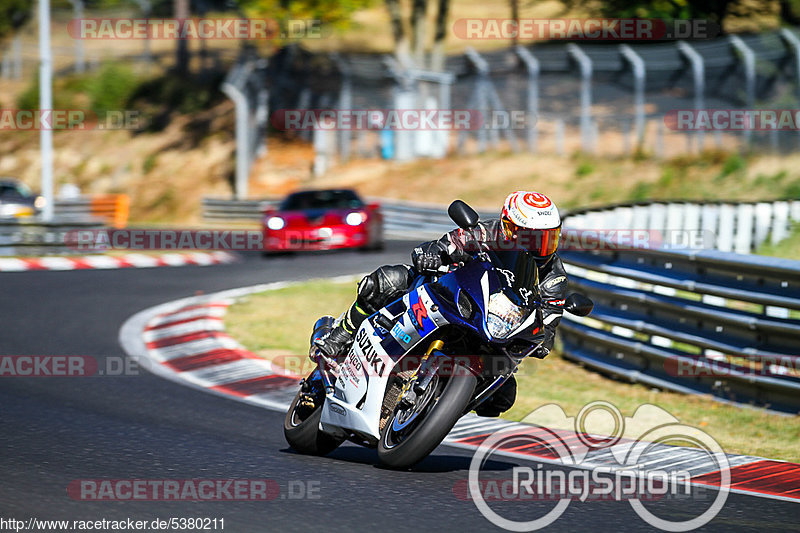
788, 14
180, 9
401, 46
418, 27
437, 56
515, 18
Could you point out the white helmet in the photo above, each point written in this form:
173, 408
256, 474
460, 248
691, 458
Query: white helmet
532, 220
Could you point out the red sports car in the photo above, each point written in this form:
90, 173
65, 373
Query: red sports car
323, 220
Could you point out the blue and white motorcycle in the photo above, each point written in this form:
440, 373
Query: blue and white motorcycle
423, 361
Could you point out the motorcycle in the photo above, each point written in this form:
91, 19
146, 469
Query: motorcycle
423, 361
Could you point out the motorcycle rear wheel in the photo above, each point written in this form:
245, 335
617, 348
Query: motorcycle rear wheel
434, 425
302, 430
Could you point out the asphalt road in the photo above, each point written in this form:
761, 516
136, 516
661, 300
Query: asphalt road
57, 430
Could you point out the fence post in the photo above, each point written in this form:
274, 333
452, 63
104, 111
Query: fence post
80, 57
585, 65
5, 65
232, 87
146, 8
626, 137
262, 117
46, 102
660, 138
482, 97
532, 100
489, 99
794, 43
560, 136
16, 47
749, 61
345, 103
698, 75
12, 60
639, 72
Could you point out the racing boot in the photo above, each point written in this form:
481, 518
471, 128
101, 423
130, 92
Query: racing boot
335, 343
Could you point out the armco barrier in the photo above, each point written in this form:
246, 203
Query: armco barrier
31, 236
401, 220
34, 237
704, 321
699, 321
113, 209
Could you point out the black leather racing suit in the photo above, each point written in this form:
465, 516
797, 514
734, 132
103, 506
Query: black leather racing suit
454, 247
388, 283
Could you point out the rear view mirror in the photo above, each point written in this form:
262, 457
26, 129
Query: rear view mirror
463, 215
578, 304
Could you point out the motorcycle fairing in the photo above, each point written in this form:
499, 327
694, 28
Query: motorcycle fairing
359, 390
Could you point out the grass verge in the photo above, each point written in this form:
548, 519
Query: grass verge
788, 248
276, 325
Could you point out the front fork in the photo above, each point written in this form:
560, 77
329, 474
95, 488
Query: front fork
422, 376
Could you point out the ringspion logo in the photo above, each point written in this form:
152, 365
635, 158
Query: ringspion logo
632, 468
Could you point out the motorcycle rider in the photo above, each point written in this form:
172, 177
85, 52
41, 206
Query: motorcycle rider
528, 220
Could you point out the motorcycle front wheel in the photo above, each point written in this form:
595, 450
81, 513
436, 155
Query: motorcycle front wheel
409, 436
301, 429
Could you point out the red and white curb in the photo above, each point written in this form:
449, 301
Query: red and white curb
185, 341
15, 264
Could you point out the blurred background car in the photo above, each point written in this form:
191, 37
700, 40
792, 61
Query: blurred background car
323, 220
17, 199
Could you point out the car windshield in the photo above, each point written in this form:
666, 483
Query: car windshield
520, 272
337, 199
10, 191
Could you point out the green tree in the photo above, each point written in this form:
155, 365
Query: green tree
331, 13
13, 14
713, 10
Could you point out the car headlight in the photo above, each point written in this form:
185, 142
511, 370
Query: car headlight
503, 316
355, 219
40, 202
275, 223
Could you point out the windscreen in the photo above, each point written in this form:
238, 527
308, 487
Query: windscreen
337, 199
519, 271
10, 191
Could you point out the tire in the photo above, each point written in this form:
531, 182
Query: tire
435, 425
267, 254
305, 436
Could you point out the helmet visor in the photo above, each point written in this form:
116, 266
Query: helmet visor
539, 242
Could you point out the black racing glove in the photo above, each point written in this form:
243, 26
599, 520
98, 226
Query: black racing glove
541, 352
427, 257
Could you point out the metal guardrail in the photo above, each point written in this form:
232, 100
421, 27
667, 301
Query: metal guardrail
703, 321
34, 237
216, 209
401, 220
113, 209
